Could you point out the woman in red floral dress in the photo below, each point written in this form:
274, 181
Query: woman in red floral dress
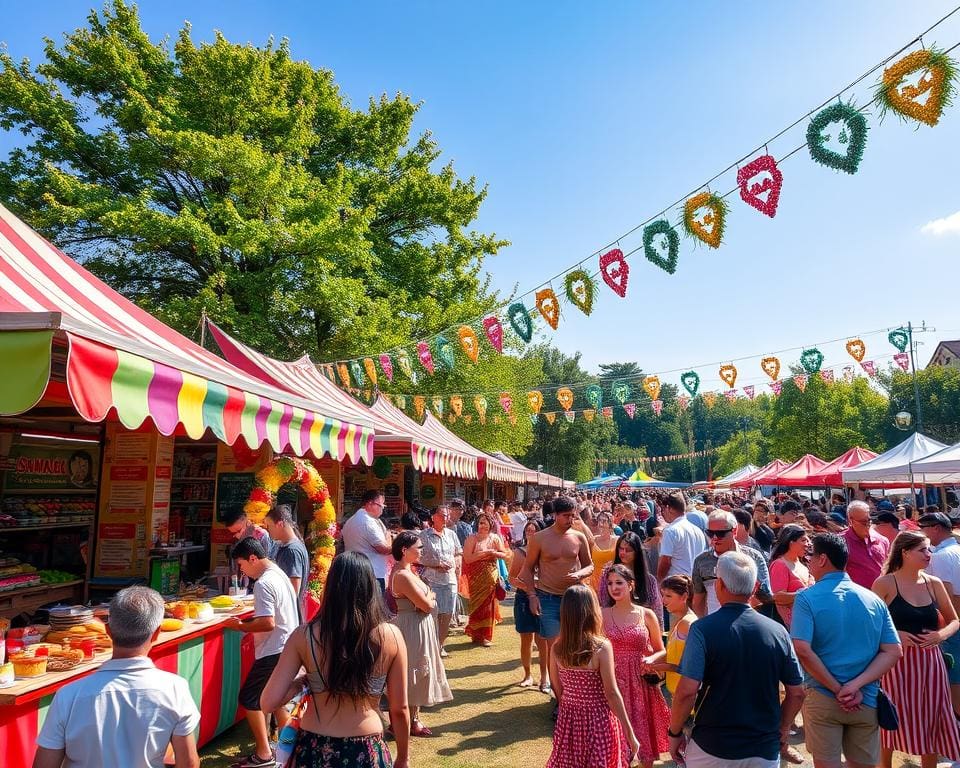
634, 633
592, 730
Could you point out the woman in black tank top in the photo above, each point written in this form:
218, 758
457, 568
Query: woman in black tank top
918, 685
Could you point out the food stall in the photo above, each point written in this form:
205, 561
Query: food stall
110, 424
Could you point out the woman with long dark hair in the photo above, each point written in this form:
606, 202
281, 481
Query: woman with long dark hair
629, 552
351, 655
525, 622
918, 684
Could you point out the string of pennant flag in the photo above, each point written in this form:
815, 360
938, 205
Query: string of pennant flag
629, 393
917, 87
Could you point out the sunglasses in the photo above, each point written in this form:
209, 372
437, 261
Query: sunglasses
717, 534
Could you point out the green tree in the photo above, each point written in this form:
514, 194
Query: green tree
566, 449
741, 449
939, 402
233, 180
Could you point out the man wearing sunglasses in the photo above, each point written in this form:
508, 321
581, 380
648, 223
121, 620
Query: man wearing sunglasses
721, 530
365, 532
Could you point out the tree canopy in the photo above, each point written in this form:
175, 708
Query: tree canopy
234, 180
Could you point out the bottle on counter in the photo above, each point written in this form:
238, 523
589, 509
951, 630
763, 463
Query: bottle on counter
234, 587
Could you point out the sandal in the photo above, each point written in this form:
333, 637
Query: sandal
790, 754
419, 729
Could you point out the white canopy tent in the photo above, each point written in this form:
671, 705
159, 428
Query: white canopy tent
940, 467
898, 465
749, 469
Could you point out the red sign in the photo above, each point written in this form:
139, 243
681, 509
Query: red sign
164, 473
132, 474
117, 530
221, 536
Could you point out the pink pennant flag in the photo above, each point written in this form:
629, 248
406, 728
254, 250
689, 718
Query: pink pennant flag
506, 402
730, 394
870, 367
630, 408
903, 360
848, 373
657, 406
426, 359
607, 412
776, 386
827, 375
801, 381
683, 401
386, 364
749, 391
570, 415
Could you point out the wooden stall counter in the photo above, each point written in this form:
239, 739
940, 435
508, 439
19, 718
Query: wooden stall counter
211, 659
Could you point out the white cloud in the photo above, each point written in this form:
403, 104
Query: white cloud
948, 225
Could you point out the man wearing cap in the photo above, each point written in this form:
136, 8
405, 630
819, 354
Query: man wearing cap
945, 565
887, 524
455, 522
867, 550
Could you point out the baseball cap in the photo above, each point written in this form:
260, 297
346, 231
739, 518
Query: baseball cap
839, 519
885, 506
888, 517
935, 518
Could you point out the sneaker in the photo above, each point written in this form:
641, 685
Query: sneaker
254, 761
443, 653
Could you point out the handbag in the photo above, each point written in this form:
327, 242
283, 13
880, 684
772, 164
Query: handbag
500, 591
887, 716
287, 738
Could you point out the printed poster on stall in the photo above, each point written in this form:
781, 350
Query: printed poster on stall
51, 468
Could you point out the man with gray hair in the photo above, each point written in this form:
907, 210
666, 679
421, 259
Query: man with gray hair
731, 670
721, 533
127, 712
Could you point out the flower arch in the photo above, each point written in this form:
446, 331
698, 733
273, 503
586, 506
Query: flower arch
320, 532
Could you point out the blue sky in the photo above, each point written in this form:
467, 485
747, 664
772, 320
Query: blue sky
586, 119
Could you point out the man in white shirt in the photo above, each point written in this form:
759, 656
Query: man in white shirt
364, 532
945, 565
518, 521
274, 620
441, 561
681, 541
127, 712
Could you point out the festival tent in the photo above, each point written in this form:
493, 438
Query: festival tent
640, 479
829, 475
67, 336
395, 432
540, 479
894, 466
797, 475
739, 474
601, 481
761, 476
940, 467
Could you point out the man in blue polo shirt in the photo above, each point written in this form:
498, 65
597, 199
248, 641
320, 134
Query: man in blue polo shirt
846, 641
732, 667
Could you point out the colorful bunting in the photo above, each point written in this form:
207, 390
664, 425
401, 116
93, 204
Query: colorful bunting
848, 373
827, 376
569, 416
664, 251
776, 386
549, 306
480, 405
801, 381
535, 400
728, 374
456, 405
771, 367
419, 403
519, 319
423, 353
691, 382
651, 384
615, 271
758, 177
870, 367
683, 401
709, 398
403, 360
607, 412
550, 417
896, 94
370, 367
565, 398
494, 331
750, 391
856, 349
579, 288
630, 408
594, 395
903, 360
444, 353
469, 342
899, 339
588, 413
386, 365
811, 359
437, 403
620, 391
853, 133
506, 401
534, 418
657, 406
730, 394
708, 226
344, 373
356, 371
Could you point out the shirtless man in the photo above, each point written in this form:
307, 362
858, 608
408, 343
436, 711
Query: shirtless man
560, 555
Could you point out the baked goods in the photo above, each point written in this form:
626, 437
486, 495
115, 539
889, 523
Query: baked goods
64, 659
171, 625
26, 664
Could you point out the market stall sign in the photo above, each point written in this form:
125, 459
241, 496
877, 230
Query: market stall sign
50, 468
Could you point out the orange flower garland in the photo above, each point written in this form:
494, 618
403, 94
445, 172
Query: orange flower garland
320, 532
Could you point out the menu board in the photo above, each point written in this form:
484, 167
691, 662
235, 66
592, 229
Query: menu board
233, 490
134, 502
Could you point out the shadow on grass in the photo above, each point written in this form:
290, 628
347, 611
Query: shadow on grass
487, 730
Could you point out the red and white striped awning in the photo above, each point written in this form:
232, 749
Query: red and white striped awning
395, 432
494, 469
122, 359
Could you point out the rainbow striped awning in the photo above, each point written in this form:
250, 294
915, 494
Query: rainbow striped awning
122, 360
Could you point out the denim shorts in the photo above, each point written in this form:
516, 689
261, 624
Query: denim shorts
523, 619
446, 597
549, 614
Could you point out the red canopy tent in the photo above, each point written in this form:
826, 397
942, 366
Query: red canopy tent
761, 476
798, 474
830, 474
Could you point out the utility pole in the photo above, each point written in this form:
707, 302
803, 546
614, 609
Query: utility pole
913, 369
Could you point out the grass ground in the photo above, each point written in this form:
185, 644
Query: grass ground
491, 723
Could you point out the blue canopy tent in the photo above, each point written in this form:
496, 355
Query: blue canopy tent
601, 481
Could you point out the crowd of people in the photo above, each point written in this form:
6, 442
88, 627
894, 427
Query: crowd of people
702, 627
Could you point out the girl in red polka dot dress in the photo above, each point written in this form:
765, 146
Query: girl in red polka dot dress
592, 730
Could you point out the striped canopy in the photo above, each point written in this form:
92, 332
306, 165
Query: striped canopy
433, 447
120, 358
